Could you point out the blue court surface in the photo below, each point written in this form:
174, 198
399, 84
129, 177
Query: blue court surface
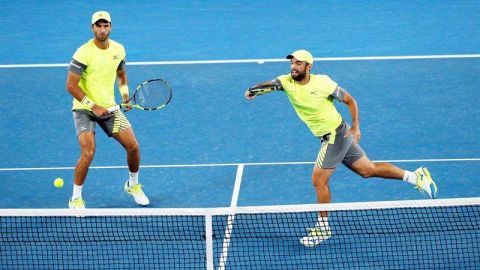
413, 67
417, 111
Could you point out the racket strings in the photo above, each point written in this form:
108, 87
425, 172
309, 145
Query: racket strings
153, 94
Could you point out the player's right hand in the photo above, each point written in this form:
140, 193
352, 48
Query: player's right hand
249, 95
100, 111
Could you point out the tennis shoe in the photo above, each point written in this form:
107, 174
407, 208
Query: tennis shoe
316, 236
137, 193
425, 183
76, 204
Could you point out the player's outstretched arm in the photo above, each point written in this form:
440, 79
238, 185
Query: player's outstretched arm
261, 89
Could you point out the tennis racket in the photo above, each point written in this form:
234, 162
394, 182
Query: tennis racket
150, 95
263, 89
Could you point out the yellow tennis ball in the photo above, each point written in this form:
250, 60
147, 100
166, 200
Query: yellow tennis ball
58, 183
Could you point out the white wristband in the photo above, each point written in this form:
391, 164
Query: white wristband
123, 89
87, 101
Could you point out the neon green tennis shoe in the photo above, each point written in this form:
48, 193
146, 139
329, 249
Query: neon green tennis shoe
425, 183
316, 236
137, 193
77, 203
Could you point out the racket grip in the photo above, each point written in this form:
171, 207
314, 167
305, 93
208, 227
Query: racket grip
114, 108
253, 91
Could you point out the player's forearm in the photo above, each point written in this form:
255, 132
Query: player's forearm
75, 91
354, 115
123, 83
264, 84
79, 95
353, 108
122, 79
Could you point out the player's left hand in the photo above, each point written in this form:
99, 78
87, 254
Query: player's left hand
355, 132
128, 104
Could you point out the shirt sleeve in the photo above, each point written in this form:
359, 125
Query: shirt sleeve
339, 94
76, 67
81, 56
123, 56
329, 85
79, 62
279, 81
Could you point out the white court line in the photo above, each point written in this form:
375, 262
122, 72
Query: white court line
228, 230
209, 241
238, 61
236, 187
234, 164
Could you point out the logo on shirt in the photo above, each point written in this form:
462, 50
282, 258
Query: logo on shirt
115, 57
314, 93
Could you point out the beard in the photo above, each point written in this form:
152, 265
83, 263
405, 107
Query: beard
299, 76
102, 38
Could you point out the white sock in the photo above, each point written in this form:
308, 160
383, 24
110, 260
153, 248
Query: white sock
77, 192
410, 177
133, 178
322, 223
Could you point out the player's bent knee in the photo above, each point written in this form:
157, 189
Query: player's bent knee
88, 154
133, 147
319, 182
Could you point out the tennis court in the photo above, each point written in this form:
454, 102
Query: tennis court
412, 67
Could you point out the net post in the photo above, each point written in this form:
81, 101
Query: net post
209, 240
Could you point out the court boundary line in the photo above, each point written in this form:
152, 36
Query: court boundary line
261, 61
232, 164
231, 218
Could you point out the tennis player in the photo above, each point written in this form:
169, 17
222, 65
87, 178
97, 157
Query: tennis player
312, 98
91, 78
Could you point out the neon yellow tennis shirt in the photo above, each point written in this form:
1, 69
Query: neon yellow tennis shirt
313, 102
98, 78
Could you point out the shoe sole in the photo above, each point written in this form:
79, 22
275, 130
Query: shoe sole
126, 191
434, 190
310, 244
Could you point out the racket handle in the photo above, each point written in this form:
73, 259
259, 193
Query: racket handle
114, 108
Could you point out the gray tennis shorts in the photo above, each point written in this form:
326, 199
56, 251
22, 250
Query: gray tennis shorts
336, 148
86, 120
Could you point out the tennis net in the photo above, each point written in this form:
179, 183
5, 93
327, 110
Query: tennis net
430, 234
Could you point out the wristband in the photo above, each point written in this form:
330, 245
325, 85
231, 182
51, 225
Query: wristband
123, 89
87, 101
